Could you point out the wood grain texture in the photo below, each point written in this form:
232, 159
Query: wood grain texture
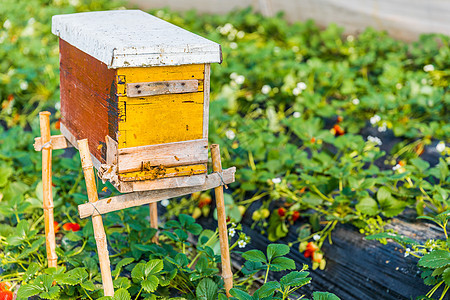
88, 101
111, 151
160, 119
50, 241
57, 141
153, 88
73, 141
168, 183
154, 219
227, 275
160, 172
140, 198
206, 91
97, 222
168, 155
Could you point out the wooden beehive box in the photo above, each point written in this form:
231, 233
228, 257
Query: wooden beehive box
137, 88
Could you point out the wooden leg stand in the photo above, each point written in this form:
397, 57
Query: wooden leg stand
44, 118
154, 219
97, 222
227, 275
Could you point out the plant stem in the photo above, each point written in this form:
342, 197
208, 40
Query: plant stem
267, 274
137, 296
431, 292
87, 294
444, 292
321, 195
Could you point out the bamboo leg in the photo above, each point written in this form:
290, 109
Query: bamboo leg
227, 275
97, 221
44, 118
154, 219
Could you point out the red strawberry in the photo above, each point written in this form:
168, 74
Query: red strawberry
281, 211
71, 226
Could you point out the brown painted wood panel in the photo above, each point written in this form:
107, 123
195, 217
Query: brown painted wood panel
89, 106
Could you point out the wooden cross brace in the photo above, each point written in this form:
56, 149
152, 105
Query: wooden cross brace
96, 207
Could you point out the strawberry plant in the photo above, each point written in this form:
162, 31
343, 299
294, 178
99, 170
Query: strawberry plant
323, 128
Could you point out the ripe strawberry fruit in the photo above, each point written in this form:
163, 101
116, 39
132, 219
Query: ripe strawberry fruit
281, 211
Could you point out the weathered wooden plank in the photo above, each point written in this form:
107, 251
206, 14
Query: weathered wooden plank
111, 204
150, 74
141, 89
111, 151
168, 155
159, 172
168, 183
160, 119
57, 141
73, 141
88, 100
206, 100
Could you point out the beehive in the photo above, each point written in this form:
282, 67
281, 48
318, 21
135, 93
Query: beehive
137, 88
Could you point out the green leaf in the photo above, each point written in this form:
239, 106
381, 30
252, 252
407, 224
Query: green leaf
5, 173
392, 207
138, 272
324, 296
88, 285
274, 250
31, 271
435, 259
122, 294
254, 255
28, 290
367, 206
53, 293
186, 220
150, 284
73, 277
121, 264
282, 264
153, 266
207, 289
383, 194
240, 295
446, 276
268, 289
295, 279
122, 282
401, 239
420, 164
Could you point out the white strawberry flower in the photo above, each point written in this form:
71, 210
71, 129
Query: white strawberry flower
301, 85
276, 180
240, 79
375, 140
428, 68
296, 91
266, 89
440, 147
375, 119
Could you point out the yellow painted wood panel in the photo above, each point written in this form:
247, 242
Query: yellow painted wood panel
162, 172
160, 119
184, 72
